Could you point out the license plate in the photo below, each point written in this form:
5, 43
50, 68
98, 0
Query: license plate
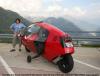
69, 44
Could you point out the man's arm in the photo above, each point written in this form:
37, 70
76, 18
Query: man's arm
23, 29
23, 26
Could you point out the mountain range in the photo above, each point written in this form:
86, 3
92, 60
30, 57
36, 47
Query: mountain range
85, 24
71, 26
7, 17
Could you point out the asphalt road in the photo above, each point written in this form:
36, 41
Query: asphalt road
87, 61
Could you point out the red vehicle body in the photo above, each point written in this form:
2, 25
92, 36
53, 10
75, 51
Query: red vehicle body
56, 45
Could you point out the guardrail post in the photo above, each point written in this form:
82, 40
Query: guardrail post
78, 43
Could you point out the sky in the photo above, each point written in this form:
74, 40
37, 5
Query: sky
79, 9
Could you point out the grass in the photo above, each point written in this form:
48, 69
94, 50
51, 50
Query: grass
90, 45
5, 40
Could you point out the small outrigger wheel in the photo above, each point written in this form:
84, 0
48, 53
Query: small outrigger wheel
29, 59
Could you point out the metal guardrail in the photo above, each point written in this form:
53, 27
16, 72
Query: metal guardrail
76, 39
73, 37
86, 37
82, 31
6, 36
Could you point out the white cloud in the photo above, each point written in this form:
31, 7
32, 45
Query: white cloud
58, 0
74, 12
24, 7
53, 10
93, 13
58, 10
36, 8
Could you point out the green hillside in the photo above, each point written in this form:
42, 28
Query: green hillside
7, 17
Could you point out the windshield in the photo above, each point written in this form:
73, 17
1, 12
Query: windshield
33, 28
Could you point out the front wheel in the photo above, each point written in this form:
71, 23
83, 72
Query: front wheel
66, 63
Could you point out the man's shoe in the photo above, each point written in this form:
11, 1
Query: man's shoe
12, 50
20, 50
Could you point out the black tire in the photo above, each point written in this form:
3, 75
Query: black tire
27, 50
66, 63
29, 59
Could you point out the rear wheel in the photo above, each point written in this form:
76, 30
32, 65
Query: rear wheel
66, 63
27, 50
29, 59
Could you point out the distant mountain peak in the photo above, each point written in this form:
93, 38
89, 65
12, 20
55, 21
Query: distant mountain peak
63, 24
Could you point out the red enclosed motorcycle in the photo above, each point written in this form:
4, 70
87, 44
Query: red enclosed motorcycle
50, 42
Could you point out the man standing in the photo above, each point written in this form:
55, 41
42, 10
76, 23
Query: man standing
16, 28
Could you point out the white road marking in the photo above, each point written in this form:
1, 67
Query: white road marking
89, 65
6, 66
